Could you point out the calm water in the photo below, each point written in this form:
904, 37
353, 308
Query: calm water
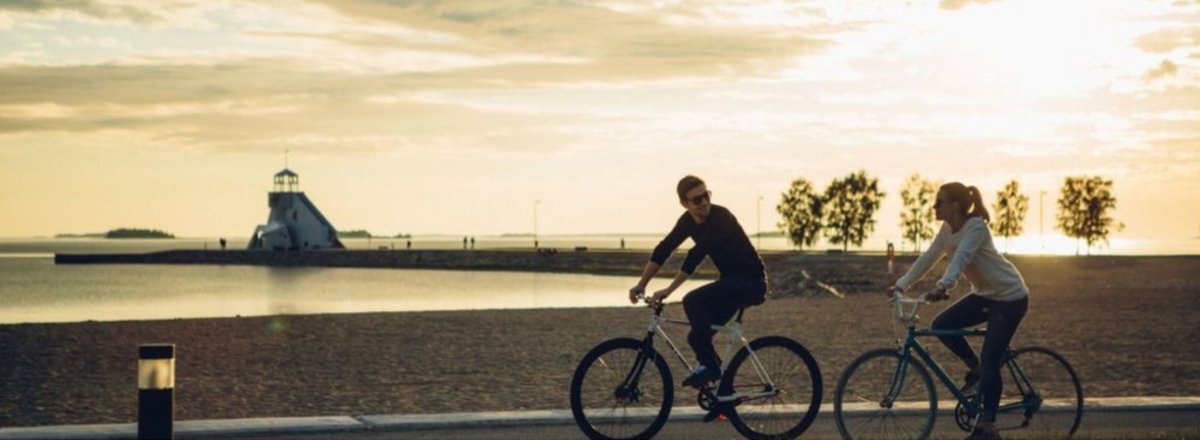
1031, 244
34, 289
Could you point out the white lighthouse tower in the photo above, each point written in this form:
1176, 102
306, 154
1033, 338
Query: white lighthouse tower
295, 223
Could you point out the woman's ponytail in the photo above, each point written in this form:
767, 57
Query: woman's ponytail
978, 209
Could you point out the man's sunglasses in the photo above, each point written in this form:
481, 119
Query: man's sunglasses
700, 198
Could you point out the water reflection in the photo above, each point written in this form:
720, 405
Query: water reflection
36, 290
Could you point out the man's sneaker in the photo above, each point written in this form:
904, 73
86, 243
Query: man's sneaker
701, 375
718, 411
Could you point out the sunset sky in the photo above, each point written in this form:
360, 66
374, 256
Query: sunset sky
455, 116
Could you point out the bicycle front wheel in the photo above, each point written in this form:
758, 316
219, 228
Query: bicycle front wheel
882, 396
780, 385
1040, 387
621, 390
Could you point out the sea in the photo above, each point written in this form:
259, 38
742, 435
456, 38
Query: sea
35, 290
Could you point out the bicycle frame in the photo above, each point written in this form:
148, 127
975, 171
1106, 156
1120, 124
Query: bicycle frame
1030, 402
734, 329
912, 345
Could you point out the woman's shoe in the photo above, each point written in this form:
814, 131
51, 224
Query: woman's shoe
984, 431
970, 381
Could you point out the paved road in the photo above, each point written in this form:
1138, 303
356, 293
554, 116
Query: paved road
1116, 417
1182, 423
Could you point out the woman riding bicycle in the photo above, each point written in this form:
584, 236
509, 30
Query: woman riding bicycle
1000, 297
718, 235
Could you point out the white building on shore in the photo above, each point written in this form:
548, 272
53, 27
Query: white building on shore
295, 223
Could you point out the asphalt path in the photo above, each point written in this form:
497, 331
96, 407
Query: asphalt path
1097, 424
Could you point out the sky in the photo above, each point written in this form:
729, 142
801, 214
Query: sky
478, 117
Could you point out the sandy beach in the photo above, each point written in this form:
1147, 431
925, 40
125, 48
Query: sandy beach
1126, 323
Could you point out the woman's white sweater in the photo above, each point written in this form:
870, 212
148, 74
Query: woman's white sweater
973, 254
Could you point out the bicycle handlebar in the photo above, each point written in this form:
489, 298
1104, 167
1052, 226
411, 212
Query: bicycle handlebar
899, 300
646, 299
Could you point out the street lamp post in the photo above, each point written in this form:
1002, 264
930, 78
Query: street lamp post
535, 222
1042, 221
759, 221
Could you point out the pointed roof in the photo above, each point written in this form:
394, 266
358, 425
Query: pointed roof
286, 173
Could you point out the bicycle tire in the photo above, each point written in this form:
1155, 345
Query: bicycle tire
603, 409
858, 401
793, 370
1056, 383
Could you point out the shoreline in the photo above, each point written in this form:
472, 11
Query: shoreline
789, 273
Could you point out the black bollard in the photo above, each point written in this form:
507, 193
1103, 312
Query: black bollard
156, 391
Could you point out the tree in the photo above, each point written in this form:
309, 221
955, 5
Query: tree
1010, 209
1083, 210
850, 205
801, 209
916, 216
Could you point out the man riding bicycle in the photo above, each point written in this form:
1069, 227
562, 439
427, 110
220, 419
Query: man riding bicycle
742, 282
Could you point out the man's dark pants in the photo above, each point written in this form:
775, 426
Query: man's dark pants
715, 304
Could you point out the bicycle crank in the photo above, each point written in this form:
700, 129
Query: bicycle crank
706, 399
962, 417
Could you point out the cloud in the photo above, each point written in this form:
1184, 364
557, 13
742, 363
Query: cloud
346, 54
136, 12
1171, 98
614, 44
953, 5
1166, 40
1042, 150
476, 44
255, 106
1165, 69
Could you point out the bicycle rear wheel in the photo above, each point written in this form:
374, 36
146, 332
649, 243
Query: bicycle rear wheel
621, 390
1052, 380
860, 406
796, 395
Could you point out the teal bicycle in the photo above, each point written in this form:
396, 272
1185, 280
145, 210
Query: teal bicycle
888, 393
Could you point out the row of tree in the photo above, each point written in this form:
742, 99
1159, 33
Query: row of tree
845, 210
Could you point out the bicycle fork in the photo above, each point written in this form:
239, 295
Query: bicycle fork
898, 376
628, 390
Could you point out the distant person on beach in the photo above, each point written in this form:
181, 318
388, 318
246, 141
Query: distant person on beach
464, 242
999, 297
222, 243
742, 282
472, 242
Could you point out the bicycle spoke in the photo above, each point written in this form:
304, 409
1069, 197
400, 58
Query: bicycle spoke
783, 403
863, 388
606, 405
1054, 382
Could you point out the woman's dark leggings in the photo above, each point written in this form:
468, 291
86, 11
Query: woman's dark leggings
1002, 318
714, 304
